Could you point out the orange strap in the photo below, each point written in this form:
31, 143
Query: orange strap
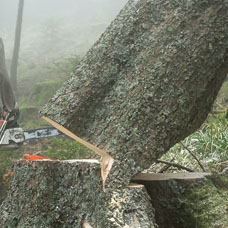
31, 157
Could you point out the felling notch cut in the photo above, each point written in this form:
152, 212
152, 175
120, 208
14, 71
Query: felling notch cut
106, 160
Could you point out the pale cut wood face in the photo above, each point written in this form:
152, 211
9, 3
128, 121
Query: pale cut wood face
86, 225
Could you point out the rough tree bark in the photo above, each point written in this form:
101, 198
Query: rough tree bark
46, 194
148, 82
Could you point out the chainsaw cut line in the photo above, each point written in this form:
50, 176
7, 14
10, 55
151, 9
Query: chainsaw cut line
106, 160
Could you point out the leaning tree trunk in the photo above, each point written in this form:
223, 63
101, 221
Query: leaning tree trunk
148, 82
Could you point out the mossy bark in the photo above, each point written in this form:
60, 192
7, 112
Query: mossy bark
148, 82
190, 203
53, 194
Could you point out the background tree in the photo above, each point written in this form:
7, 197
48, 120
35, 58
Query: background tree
6, 91
13, 71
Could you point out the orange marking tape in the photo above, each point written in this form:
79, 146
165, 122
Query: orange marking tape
31, 157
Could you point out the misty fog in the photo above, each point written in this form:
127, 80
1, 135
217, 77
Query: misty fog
55, 29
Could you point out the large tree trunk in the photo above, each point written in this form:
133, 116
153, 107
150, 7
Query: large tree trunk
148, 82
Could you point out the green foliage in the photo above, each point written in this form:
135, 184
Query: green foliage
30, 74
30, 104
66, 149
221, 103
41, 93
223, 94
30, 119
66, 66
209, 144
37, 84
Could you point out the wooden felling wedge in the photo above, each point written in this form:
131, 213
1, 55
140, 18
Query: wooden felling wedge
106, 160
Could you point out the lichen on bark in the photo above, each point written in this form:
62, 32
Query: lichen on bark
148, 82
190, 203
54, 194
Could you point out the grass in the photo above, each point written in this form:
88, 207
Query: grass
63, 149
223, 95
212, 140
209, 144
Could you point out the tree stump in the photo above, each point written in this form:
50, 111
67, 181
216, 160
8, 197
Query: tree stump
69, 194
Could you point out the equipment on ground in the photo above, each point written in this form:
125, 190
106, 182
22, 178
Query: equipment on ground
11, 133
